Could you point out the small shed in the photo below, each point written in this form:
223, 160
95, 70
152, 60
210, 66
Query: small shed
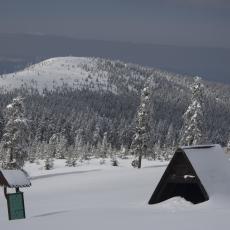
14, 178
195, 173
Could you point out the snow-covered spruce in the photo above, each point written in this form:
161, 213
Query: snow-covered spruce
193, 130
16, 135
141, 138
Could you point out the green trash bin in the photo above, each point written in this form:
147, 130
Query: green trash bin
16, 207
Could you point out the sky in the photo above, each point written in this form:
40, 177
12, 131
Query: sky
172, 22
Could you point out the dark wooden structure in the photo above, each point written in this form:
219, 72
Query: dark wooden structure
182, 179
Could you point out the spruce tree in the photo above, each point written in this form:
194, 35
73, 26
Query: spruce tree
157, 151
49, 160
113, 156
169, 145
61, 147
53, 143
193, 129
104, 147
141, 137
78, 148
32, 151
72, 157
16, 134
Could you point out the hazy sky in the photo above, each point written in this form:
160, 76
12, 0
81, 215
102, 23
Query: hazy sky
180, 22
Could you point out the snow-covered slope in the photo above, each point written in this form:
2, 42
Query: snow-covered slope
110, 198
99, 74
74, 72
90, 73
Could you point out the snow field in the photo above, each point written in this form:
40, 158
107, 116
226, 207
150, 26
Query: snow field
98, 196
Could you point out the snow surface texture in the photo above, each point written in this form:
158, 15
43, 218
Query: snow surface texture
73, 72
16, 178
213, 170
106, 197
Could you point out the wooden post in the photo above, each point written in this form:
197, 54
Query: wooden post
5, 190
139, 161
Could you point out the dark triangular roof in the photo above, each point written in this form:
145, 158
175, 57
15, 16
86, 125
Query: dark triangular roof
207, 168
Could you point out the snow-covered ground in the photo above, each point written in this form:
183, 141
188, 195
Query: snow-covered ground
36, 170
94, 196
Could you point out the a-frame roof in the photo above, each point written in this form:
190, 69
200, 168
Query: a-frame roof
210, 166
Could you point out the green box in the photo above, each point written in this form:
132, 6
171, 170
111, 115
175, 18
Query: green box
16, 207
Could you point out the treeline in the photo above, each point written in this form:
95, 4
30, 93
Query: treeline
102, 119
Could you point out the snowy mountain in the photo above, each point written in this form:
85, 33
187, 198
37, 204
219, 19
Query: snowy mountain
73, 72
18, 50
90, 73
95, 74
78, 73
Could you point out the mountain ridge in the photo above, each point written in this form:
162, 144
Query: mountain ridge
17, 51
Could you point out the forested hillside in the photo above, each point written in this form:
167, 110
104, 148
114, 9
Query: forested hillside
95, 101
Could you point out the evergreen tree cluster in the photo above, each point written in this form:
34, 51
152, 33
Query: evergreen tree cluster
78, 123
